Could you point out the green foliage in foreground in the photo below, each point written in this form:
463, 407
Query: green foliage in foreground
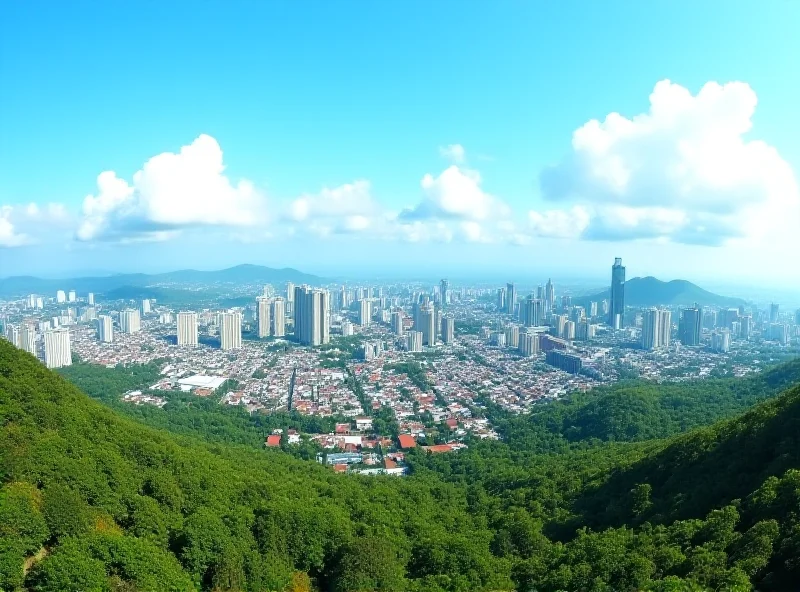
93, 501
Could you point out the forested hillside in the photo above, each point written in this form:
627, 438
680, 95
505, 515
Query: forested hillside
93, 501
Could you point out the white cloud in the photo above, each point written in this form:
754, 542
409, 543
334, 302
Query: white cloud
455, 153
9, 236
26, 224
455, 194
559, 223
344, 209
170, 192
682, 171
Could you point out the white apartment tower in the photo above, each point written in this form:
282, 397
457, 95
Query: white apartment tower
230, 332
365, 312
187, 328
105, 329
28, 339
264, 317
311, 315
90, 299
448, 330
57, 350
130, 321
414, 341
72, 296
279, 317
61, 297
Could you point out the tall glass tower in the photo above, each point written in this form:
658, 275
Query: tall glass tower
617, 304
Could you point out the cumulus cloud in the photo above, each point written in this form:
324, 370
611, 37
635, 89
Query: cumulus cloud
456, 194
26, 224
172, 191
683, 171
559, 223
345, 209
455, 153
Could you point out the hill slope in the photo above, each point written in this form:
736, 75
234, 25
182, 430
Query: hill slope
22, 285
649, 291
92, 501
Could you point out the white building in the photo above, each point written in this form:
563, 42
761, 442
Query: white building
90, 298
57, 350
28, 339
347, 328
364, 312
264, 316
311, 315
105, 329
279, 317
72, 296
448, 330
528, 344
230, 332
414, 341
130, 321
145, 307
61, 296
187, 328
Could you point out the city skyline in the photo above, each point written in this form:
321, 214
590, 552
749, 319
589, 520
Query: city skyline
543, 159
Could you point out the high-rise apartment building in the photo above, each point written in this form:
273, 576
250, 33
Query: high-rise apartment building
616, 313
549, 296
414, 341
187, 328
105, 329
279, 317
501, 298
569, 330
397, 323
511, 298
512, 336
28, 338
365, 312
90, 299
57, 349
592, 309
347, 328
145, 307
448, 330
721, 341
61, 297
290, 293
564, 361
230, 331
691, 323
311, 315
264, 316
745, 327
130, 321
72, 297
774, 310
532, 312
656, 328
427, 324
14, 335
444, 292
528, 344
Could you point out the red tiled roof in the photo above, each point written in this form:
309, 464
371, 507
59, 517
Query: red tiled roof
274, 440
439, 448
389, 463
406, 441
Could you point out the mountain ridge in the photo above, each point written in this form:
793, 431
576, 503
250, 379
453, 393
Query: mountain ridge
22, 285
650, 291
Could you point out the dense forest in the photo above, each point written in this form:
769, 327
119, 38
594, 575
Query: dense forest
94, 501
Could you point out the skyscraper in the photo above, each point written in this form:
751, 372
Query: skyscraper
145, 307
72, 296
230, 332
528, 344
651, 328
549, 296
365, 312
61, 296
290, 289
279, 317
264, 316
187, 328
28, 338
532, 312
414, 341
511, 298
14, 335
444, 292
427, 324
512, 336
448, 330
311, 316
773, 312
501, 298
57, 350
691, 322
90, 299
397, 323
105, 329
616, 311
129, 321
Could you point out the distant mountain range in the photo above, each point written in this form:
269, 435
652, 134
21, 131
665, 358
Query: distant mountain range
650, 291
21, 285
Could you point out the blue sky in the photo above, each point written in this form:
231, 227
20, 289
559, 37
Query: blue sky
333, 113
